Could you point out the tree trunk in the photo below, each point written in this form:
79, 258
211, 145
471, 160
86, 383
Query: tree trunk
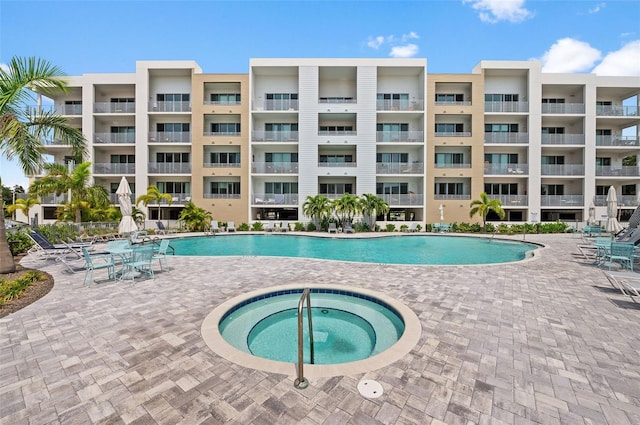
7, 264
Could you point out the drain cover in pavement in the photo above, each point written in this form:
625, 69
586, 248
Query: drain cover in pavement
370, 388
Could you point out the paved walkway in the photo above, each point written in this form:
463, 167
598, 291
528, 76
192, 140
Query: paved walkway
544, 341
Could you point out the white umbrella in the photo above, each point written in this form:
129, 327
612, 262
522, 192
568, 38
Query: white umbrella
592, 215
127, 224
441, 208
613, 226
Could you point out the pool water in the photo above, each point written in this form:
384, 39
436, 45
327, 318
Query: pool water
346, 327
416, 249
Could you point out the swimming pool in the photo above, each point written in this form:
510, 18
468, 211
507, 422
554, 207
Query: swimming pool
409, 249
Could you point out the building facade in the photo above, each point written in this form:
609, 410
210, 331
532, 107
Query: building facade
251, 147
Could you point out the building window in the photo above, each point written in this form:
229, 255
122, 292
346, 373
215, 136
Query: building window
603, 132
173, 157
335, 188
603, 161
281, 127
550, 100
225, 188
279, 188
228, 128
444, 159
552, 130
392, 188
449, 128
336, 99
392, 100
335, 128
231, 158
501, 188
449, 189
335, 159
601, 190
225, 98
173, 97
552, 189
449, 97
123, 159
501, 97
394, 158
174, 187
552, 160
501, 128
501, 158
173, 127
281, 157
628, 190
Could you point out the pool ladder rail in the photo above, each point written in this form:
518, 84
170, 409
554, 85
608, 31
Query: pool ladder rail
301, 382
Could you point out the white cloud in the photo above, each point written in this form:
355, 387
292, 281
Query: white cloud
597, 8
376, 42
411, 35
568, 55
406, 51
4, 66
623, 62
493, 11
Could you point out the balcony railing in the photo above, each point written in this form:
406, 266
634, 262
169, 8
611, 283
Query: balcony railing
506, 169
275, 167
221, 164
616, 111
170, 167
562, 170
400, 136
221, 196
222, 133
402, 199
453, 134
453, 103
399, 168
462, 196
115, 199
623, 200
400, 105
277, 105
562, 200
70, 110
54, 199
55, 142
338, 164
512, 200
114, 138
275, 199
617, 141
563, 139
274, 136
506, 106
174, 106
509, 138
620, 171
337, 133
176, 198
169, 137
451, 165
563, 108
337, 100
109, 168
223, 102
114, 107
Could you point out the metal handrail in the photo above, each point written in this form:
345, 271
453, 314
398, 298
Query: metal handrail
301, 382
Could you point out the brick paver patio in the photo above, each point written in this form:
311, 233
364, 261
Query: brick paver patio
543, 341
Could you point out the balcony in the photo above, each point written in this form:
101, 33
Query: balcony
506, 106
114, 138
563, 108
278, 105
114, 107
617, 141
506, 138
176, 198
115, 199
111, 168
400, 137
274, 136
506, 169
562, 169
616, 111
75, 109
452, 103
221, 196
169, 167
55, 142
463, 196
169, 137
222, 133
324, 100
563, 139
172, 106
623, 200
451, 165
400, 105
275, 199
395, 199
221, 164
54, 199
337, 164
275, 167
337, 133
562, 200
453, 134
399, 168
512, 200
618, 171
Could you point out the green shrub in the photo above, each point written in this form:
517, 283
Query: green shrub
390, 227
257, 226
12, 289
311, 227
404, 228
299, 227
19, 242
360, 227
244, 227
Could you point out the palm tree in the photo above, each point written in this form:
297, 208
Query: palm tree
60, 180
154, 196
316, 207
372, 206
346, 207
23, 128
196, 219
23, 205
483, 206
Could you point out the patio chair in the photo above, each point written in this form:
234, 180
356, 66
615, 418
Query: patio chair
624, 281
214, 227
161, 254
44, 249
231, 226
332, 228
413, 227
620, 252
161, 229
140, 262
269, 227
284, 227
97, 262
347, 228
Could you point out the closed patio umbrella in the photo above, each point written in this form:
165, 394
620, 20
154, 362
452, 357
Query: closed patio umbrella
613, 226
127, 224
592, 215
441, 209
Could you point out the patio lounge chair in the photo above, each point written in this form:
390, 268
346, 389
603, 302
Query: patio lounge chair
347, 228
214, 227
332, 228
43, 248
413, 227
231, 226
284, 227
269, 227
624, 281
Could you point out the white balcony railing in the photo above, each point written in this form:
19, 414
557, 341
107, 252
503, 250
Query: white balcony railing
400, 105
509, 138
274, 136
461, 196
170, 167
562, 169
114, 107
70, 109
275, 199
169, 137
617, 141
562, 200
276, 105
399, 168
275, 167
413, 136
623, 200
512, 200
402, 199
453, 134
506, 106
563, 108
114, 138
563, 139
172, 106
337, 133
109, 168
506, 169
620, 171
338, 164
617, 111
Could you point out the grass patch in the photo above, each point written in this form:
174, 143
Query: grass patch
12, 289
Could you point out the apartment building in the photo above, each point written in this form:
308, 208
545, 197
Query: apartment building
253, 146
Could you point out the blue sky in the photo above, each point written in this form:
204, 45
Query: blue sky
454, 35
